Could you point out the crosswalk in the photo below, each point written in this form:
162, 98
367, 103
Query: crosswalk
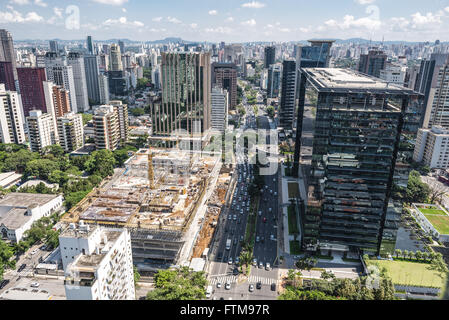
233, 279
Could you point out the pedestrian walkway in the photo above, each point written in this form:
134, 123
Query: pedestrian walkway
255, 279
223, 279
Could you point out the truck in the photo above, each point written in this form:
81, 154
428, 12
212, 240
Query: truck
228, 244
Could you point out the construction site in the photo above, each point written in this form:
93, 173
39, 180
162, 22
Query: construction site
156, 196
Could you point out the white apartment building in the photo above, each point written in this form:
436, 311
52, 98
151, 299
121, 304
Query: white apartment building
432, 147
70, 131
62, 75
220, 107
97, 263
123, 120
41, 130
12, 121
394, 74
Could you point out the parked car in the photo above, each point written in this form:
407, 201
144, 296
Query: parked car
3, 283
23, 266
257, 239
218, 285
259, 285
228, 285
230, 261
261, 265
35, 284
34, 251
273, 287
268, 267
255, 262
251, 288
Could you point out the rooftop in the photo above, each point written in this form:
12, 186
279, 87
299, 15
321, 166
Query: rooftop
26, 200
350, 80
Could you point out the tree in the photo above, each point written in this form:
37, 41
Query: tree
270, 111
41, 168
398, 252
178, 284
418, 255
411, 255
306, 263
327, 275
417, 191
6, 253
136, 112
136, 276
101, 162
142, 83
86, 118
437, 191
405, 254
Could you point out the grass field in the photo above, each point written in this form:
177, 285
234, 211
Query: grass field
432, 211
441, 223
293, 190
294, 247
292, 225
411, 273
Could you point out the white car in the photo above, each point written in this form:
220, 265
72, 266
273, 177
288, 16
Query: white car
228, 285
230, 261
34, 251
218, 285
267, 267
34, 284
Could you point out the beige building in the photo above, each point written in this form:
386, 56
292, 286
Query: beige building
11, 117
432, 147
122, 114
70, 131
107, 128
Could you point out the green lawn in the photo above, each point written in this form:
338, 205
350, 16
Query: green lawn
293, 190
411, 273
295, 248
292, 225
432, 211
441, 223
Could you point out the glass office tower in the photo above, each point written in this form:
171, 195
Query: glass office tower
363, 135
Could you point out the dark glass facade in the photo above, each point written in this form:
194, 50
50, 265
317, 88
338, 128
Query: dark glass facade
361, 139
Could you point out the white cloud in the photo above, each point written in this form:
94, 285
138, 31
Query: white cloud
350, 22
425, 21
40, 3
253, 5
58, 12
222, 30
20, 2
365, 1
157, 19
112, 2
14, 16
173, 20
213, 12
124, 22
193, 25
124, 10
250, 22
230, 19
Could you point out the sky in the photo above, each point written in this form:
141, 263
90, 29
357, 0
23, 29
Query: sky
227, 20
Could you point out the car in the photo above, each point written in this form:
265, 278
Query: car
261, 265
272, 237
264, 219
274, 179
3, 283
218, 285
234, 217
260, 213
230, 261
262, 239
241, 211
275, 194
235, 242
23, 266
237, 260
239, 221
273, 287
241, 238
219, 256
251, 288
228, 285
229, 217
255, 262
34, 251
235, 272
35, 284
257, 239
259, 285
271, 191
270, 209
268, 267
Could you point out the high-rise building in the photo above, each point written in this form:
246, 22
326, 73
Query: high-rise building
76, 61
121, 44
92, 70
90, 45
116, 58
123, 121
220, 108
7, 75
12, 121
103, 84
31, 81
61, 101
70, 131
393, 74
54, 46
270, 56
288, 95
97, 263
357, 156
316, 55
224, 75
41, 130
107, 128
372, 63
7, 52
432, 81
118, 84
186, 101
432, 147
274, 80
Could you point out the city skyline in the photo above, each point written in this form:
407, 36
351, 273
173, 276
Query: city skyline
231, 21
